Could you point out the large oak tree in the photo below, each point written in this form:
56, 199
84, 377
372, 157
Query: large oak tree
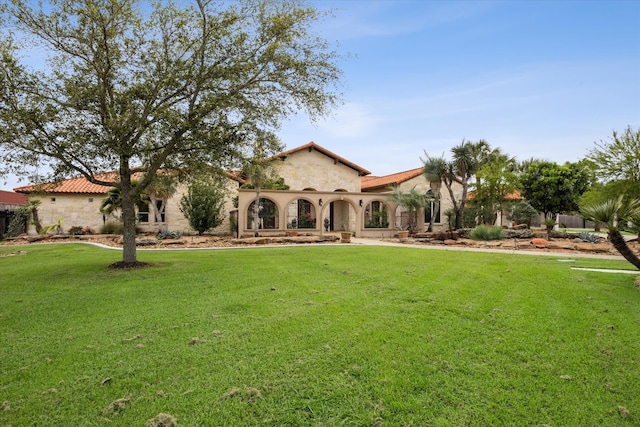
137, 87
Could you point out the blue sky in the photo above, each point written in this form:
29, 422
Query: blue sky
540, 79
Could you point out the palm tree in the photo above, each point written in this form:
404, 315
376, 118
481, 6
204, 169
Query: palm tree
411, 201
467, 160
612, 212
113, 201
33, 208
434, 171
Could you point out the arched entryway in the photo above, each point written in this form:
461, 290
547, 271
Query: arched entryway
301, 214
376, 215
267, 215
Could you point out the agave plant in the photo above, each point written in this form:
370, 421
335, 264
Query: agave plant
613, 212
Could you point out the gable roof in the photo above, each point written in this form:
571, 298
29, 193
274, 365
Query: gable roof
310, 146
379, 183
80, 185
10, 198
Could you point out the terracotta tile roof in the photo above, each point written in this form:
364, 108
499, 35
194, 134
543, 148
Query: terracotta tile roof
79, 185
313, 146
514, 195
10, 198
236, 175
383, 182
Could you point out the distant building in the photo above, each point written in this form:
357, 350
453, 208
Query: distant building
9, 202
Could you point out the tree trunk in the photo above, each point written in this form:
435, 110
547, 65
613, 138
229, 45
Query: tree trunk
461, 206
434, 211
256, 212
621, 246
412, 226
449, 186
458, 223
129, 222
36, 219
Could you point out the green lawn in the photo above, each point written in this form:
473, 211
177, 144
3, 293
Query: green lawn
323, 335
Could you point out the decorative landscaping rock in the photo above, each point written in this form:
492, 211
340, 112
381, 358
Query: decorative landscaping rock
173, 242
557, 245
146, 242
539, 242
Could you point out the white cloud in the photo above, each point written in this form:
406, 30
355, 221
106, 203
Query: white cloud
351, 121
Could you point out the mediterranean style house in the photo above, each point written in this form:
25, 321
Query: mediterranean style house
327, 193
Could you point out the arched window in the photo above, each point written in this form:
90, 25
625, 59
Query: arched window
267, 215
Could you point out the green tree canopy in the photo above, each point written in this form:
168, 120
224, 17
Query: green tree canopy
203, 205
617, 163
496, 180
552, 188
137, 87
613, 212
618, 158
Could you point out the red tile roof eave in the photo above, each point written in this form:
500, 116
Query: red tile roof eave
383, 182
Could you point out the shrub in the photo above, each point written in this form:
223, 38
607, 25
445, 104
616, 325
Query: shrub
166, 234
115, 227
18, 223
522, 213
112, 227
233, 224
76, 230
203, 205
588, 237
483, 232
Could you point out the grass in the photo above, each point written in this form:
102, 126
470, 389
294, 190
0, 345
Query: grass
328, 335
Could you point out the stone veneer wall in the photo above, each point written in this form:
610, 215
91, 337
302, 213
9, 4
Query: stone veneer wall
75, 210
176, 220
312, 169
83, 210
422, 186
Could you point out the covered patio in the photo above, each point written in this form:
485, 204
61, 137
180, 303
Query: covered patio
319, 212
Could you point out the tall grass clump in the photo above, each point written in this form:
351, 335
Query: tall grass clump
483, 232
112, 227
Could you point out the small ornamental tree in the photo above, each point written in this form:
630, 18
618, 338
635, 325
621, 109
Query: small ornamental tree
412, 202
203, 206
522, 213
